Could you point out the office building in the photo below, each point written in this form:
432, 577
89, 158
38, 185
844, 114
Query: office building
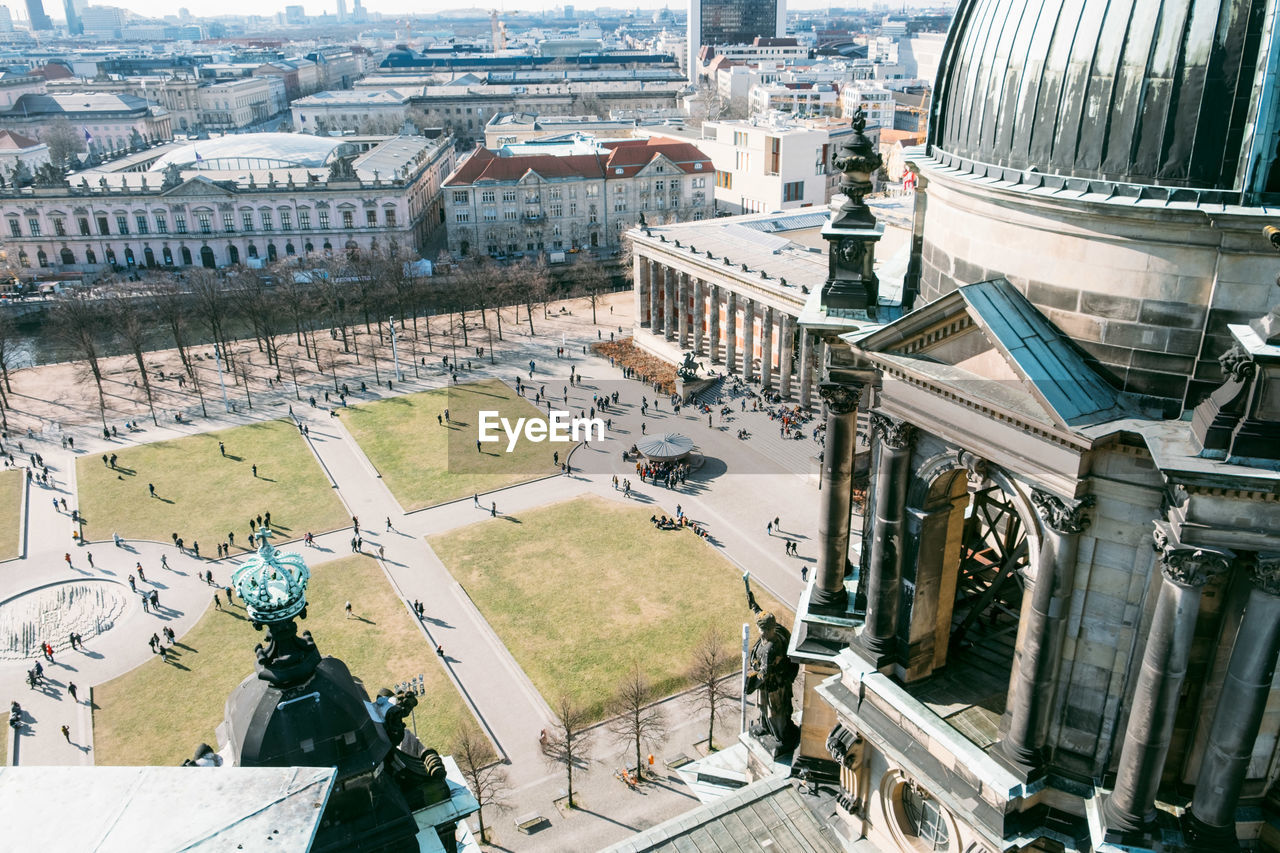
37, 17
713, 22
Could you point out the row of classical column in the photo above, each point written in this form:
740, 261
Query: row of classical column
687, 311
1042, 623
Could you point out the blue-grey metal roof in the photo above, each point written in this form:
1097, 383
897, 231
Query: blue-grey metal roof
765, 817
1056, 371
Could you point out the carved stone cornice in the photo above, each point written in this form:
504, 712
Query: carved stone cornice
1188, 566
840, 399
1062, 516
1265, 573
895, 434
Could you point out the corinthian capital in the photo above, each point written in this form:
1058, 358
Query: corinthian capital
840, 399
1266, 573
894, 433
1186, 565
1063, 516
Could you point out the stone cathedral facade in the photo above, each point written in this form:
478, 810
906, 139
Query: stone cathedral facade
1062, 630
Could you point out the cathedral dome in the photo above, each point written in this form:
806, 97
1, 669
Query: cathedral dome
1159, 93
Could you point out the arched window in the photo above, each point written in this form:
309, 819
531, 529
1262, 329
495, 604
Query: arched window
23, 259
206, 257
90, 257
111, 256
352, 248
253, 251
288, 249
186, 256
233, 255
167, 254
42, 258
148, 257
129, 259
271, 251
68, 257
309, 247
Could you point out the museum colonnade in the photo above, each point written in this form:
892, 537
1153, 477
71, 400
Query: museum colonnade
746, 335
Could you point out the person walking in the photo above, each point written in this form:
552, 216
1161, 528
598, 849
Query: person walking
804, 574
348, 609
66, 733
67, 557
255, 471
388, 524
222, 448
768, 528
493, 510
151, 487
217, 602
89, 556
475, 498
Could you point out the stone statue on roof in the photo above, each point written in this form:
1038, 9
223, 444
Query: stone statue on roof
770, 673
342, 170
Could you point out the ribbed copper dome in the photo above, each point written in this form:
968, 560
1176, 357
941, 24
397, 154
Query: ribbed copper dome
1148, 92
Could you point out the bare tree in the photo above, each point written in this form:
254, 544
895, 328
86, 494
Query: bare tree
64, 142
172, 310
595, 283
77, 325
485, 774
568, 741
529, 280
8, 347
131, 317
711, 662
213, 306
636, 719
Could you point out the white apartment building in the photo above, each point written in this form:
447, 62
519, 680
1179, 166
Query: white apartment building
575, 196
236, 103
769, 163
807, 99
876, 102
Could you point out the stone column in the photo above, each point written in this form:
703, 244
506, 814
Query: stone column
682, 308
699, 314
715, 324
655, 298
672, 301
766, 347
785, 330
884, 564
748, 339
1184, 571
730, 332
1037, 652
640, 274
1236, 720
837, 497
806, 369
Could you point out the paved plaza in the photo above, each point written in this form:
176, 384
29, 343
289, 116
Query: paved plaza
742, 487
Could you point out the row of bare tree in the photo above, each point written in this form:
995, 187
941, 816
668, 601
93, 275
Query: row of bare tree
349, 296
636, 720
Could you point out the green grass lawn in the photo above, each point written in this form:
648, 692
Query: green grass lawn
159, 712
425, 463
201, 494
10, 513
579, 589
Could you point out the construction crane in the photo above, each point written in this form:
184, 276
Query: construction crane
498, 30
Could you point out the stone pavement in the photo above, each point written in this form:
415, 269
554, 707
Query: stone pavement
742, 487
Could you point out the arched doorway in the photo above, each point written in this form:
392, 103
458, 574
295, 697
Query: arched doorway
68, 257
206, 257
271, 251
167, 254
253, 250
90, 257
233, 255
129, 259
41, 258
289, 250
185, 254
149, 257
111, 256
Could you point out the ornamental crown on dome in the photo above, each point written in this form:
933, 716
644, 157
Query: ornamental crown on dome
272, 585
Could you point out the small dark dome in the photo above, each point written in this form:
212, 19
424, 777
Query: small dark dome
1157, 92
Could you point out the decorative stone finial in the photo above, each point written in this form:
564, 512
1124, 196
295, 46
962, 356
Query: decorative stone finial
856, 159
273, 585
1062, 515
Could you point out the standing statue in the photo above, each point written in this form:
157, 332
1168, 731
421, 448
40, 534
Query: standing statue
770, 675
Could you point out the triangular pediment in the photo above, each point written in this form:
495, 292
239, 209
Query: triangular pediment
198, 187
986, 341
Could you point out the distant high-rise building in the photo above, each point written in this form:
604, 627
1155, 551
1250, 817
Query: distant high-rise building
73, 20
342, 10
35, 14
568, 13
295, 15
733, 22
6, 20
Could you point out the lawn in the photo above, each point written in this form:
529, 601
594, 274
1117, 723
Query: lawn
10, 513
425, 462
159, 713
201, 494
578, 590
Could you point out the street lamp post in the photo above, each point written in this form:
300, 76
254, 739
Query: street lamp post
217, 357
395, 358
